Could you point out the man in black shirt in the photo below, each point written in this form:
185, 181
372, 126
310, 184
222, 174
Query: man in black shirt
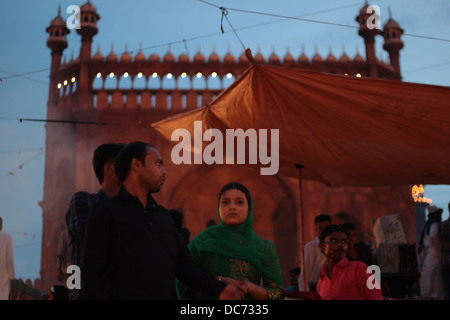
82, 202
133, 249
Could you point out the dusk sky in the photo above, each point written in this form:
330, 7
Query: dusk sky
181, 26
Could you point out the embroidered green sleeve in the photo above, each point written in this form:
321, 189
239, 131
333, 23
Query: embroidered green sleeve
274, 288
243, 270
274, 291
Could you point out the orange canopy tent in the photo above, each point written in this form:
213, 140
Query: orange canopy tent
343, 130
336, 129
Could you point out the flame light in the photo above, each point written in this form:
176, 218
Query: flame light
417, 194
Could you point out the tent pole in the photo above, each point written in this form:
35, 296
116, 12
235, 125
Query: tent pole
300, 226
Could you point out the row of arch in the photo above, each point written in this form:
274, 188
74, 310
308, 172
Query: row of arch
66, 87
166, 82
148, 99
153, 82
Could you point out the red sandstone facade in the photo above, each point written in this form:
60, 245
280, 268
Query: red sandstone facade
78, 93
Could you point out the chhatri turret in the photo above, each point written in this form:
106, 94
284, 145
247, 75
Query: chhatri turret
368, 31
88, 29
57, 42
392, 42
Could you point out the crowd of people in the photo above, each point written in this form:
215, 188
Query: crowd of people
335, 265
117, 233
434, 255
130, 247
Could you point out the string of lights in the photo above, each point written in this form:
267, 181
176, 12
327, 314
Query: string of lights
66, 121
26, 234
246, 27
13, 75
20, 150
315, 21
282, 18
20, 120
427, 67
22, 75
11, 172
184, 41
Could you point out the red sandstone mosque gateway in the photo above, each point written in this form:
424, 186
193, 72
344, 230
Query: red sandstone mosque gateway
192, 188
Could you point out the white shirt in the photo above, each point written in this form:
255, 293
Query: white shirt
314, 261
431, 283
6, 265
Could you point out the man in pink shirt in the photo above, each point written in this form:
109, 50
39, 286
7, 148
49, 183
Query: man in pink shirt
341, 279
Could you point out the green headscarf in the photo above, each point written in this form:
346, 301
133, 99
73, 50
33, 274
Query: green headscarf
240, 242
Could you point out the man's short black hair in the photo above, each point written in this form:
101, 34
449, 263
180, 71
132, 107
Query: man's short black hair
329, 229
103, 154
322, 217
348, 226
132, 150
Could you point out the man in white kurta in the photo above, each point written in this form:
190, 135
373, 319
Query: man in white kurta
314, 259
431, 284
6, 263
314, 262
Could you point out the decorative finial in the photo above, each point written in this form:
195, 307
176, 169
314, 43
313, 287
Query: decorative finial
59, 10
389, 13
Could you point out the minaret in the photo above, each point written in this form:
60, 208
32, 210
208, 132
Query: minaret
57, 42
56, 159
368, 32
392, 42
88, 29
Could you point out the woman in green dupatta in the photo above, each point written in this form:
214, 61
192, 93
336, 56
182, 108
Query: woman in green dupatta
232, 251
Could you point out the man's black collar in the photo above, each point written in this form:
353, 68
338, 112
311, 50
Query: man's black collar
126, 196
